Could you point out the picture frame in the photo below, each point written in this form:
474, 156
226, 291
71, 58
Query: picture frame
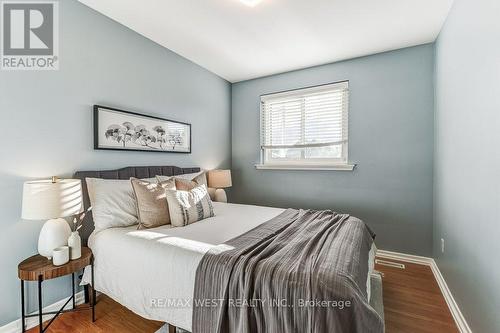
116, 129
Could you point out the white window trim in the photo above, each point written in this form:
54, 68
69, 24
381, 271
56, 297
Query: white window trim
333, 167
337, 164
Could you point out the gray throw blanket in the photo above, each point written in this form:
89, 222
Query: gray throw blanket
302, 271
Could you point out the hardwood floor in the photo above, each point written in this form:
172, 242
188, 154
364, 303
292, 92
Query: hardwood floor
412, 300
110, 317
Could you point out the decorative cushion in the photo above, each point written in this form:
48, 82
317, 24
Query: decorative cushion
152, 207
198, 177
174, 183
185, 184
188, 181
187, 207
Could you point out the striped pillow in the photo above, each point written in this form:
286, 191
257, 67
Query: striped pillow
186, 207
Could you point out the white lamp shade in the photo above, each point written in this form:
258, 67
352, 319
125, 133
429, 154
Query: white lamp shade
219, 178
44, 199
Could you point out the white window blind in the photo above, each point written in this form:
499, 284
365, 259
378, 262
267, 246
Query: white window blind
306, 126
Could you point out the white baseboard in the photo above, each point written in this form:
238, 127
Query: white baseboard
15, 326
455, 310
462, 325
404, 257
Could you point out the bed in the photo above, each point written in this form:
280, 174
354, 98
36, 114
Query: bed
153, 272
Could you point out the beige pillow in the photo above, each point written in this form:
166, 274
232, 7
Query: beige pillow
175, 183
152, 206
187, 182
198, 177
187, 207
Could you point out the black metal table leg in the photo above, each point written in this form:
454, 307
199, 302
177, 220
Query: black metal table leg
40, 279
93, 289
23, 327
86, 293
73, 289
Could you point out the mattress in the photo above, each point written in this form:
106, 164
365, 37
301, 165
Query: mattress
152, 272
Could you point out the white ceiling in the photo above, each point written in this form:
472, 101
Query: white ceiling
239, 42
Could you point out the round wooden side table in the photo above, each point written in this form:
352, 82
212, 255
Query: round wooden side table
38, 268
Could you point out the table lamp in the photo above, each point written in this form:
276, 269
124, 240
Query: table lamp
220, 179
52, 200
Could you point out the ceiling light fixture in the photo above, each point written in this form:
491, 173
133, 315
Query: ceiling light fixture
251, 3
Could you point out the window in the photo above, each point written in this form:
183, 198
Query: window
305, 128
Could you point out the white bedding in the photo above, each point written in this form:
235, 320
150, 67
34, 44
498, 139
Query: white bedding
138, 267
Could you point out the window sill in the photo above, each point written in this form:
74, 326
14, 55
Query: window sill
338, 167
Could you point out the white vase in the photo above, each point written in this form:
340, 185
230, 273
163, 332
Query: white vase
75, 245
54, 234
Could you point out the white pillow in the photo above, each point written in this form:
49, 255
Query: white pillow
186, 207
113, 203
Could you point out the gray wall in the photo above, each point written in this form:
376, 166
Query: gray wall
47, 122
467, 159
390, 138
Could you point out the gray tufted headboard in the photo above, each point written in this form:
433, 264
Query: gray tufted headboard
124, 173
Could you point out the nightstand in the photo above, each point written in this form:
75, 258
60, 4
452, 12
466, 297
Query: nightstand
38, 268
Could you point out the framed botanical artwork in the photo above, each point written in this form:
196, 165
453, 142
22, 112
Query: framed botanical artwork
124, 130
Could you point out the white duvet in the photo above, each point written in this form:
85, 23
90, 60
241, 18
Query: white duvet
145, 269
